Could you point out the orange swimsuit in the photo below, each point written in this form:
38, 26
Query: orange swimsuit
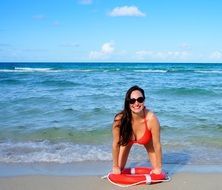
146, 136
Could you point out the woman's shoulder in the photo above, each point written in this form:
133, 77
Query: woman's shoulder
151, 117
117, 119
118, 116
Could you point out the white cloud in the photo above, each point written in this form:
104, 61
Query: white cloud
126, 11
96, 55
106, 50
162, 55
216, 55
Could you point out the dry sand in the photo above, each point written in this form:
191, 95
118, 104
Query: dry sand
180, 181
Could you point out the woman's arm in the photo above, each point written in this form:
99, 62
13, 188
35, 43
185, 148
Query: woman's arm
155, 130
115, 145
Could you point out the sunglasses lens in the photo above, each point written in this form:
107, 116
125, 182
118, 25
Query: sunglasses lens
132, 101
140, 99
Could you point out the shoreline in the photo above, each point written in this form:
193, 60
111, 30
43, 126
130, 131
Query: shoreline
93, 168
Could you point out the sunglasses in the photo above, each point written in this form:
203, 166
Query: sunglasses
133, 100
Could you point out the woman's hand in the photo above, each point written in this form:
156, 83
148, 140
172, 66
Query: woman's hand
116, 170
156, 171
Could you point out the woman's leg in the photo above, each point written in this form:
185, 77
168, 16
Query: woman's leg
123, 155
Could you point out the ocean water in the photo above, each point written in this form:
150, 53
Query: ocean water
63, 112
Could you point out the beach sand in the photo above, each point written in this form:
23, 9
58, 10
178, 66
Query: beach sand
180, 181
87, 176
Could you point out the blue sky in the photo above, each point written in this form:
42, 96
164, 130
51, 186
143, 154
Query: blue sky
111, 30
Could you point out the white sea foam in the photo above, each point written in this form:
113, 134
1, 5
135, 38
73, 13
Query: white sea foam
210, 71
47, 70
63, 152
150, 71
78, 70
28, 69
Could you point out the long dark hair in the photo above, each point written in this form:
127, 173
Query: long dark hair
126, 117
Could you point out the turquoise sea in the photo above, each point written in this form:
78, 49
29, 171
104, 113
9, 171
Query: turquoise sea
63, 112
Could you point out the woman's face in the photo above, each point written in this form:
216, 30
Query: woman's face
138, 105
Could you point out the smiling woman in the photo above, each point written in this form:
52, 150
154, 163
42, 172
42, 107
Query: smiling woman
136, 124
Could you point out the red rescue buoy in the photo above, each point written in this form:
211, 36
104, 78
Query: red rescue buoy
135, 176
